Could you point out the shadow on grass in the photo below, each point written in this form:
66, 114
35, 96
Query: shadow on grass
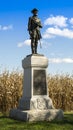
68, 119
2, 117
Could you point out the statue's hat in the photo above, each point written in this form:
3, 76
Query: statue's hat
32, 11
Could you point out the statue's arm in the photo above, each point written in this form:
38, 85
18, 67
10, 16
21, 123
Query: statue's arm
40, 24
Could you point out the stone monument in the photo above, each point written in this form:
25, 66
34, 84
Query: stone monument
35, 104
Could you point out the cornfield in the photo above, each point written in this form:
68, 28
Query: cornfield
60, 90
10, 90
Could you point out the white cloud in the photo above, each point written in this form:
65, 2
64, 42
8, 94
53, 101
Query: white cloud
71, 20
59, 60
20, 44
60, 21
47, 35
55, 31
26, 42
68, 60
4, 28
58, 26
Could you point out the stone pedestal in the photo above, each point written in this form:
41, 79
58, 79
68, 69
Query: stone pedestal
35, 104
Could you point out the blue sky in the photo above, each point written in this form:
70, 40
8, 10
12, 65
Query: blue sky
57, 33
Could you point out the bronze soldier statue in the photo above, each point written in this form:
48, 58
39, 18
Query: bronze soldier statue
34, 25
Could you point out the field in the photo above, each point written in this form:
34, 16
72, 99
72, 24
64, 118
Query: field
60, 90
9, 124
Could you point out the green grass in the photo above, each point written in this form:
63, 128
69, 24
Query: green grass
10, 124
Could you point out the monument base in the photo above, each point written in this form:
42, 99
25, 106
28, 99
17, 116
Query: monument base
36, 115
35, 104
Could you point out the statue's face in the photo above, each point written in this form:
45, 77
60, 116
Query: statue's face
35, 12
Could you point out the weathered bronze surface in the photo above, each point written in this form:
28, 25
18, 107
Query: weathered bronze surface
34, 25
39, 82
